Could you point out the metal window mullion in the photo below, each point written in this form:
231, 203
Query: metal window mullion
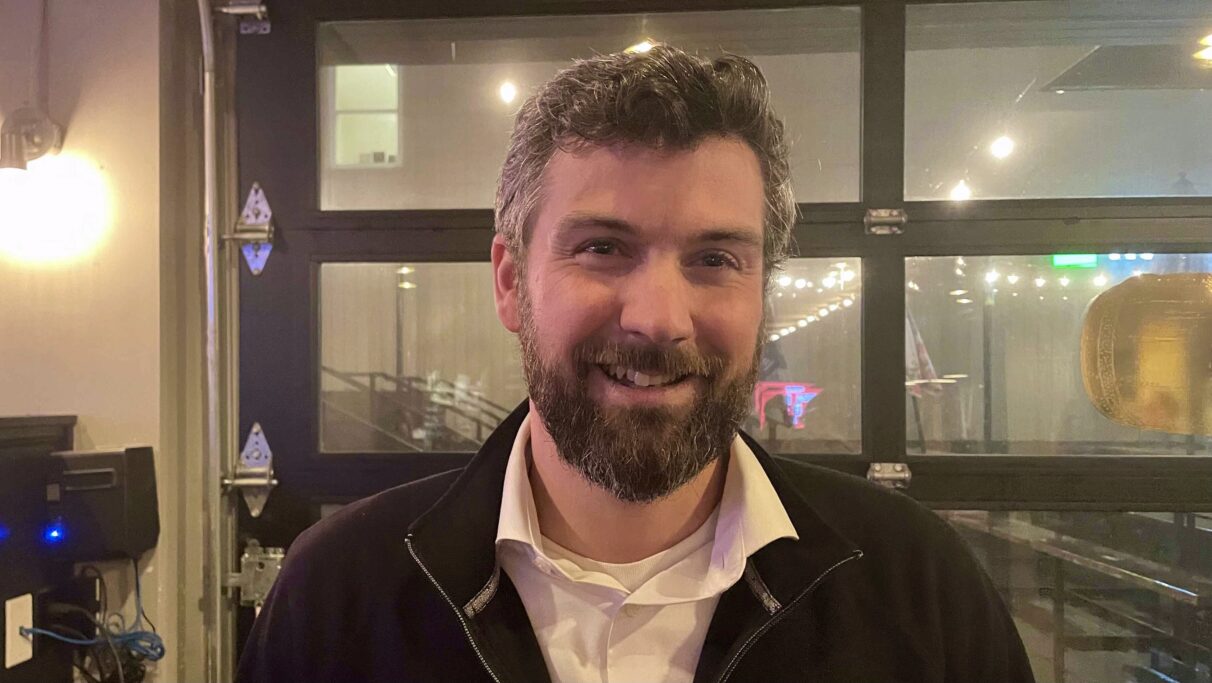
883, 153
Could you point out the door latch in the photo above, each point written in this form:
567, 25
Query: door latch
259, 569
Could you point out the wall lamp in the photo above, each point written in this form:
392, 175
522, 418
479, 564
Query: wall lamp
27, 134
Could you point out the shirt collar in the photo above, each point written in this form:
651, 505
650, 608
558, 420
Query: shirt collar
750, 514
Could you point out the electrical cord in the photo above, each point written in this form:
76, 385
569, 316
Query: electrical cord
137, 643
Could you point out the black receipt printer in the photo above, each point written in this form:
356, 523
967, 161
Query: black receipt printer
102, 504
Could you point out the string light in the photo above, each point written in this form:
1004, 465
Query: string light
801, 283
784, 280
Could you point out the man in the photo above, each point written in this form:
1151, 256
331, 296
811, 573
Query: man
617, 527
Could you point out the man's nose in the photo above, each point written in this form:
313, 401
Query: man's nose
656, 304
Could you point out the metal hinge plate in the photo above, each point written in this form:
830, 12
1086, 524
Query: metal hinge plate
259, 569
255, 230
254, 476
885, 221
894, 475
254, 15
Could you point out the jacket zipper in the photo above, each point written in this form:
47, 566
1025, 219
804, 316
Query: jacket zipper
458, 613
774, 619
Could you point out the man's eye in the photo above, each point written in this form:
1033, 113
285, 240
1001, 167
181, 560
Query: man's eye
601, 248
719, 259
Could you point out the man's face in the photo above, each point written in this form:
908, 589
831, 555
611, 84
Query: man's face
639, 307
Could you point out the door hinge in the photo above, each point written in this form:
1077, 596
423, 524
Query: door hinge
254, 476
894, 475
254, 16
255, 230
885, 221
259, 569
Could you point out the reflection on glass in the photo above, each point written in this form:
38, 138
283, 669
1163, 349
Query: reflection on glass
1078, 98
993, 354
414, 359
454, 85
807, 397
1102, 596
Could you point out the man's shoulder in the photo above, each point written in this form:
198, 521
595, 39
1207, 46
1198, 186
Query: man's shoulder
373, 528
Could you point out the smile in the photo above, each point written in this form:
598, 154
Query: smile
630, 377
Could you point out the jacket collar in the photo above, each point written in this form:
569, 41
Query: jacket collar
456, 537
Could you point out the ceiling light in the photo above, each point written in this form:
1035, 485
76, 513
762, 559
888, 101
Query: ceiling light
961, 192
1114, 257
1129, 257
802, 323
1002, 147
1040, 282
959, 272
829, 282
1100, 280
406, 270
774, 337
1206, 40
955, 376
1064, 282
641, 47
1147, 257
958, 292
1060, 92
963, 301
408, 285
823, 312
848, 302
784, 280
847, 275
801, 283
1204, 54
833, 307
811, 318
508, 92
992, 276
1012, 279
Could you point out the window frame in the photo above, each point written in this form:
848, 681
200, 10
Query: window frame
935, 228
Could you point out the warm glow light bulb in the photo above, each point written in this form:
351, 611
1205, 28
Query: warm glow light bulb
1204, 55
961, 192
642, 46
1206, 40
801, 283
1002, 147
57, 211
784, 280
508, 92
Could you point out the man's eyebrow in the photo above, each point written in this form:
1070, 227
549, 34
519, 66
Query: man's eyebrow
582, 221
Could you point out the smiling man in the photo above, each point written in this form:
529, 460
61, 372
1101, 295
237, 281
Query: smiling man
618, 527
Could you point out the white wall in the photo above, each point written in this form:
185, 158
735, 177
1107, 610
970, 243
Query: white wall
107, 337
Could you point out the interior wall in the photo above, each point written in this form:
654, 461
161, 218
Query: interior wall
109, 336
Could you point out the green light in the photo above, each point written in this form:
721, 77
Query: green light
1075, 260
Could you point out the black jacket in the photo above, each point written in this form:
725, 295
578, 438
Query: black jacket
877, 589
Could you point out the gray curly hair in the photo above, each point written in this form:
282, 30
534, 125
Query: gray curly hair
664, 98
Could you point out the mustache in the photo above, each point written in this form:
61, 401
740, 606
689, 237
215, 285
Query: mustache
649, 358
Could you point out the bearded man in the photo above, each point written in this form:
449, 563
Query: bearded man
618, 527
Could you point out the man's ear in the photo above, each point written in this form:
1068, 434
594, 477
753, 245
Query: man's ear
505, 284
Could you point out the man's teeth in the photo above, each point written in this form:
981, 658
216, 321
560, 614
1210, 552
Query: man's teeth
638, 378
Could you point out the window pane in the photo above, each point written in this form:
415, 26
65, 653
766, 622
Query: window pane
1080, 98
1102, 596
366, 87
993, 357
460, 82
414, 359
366, 139
807, 398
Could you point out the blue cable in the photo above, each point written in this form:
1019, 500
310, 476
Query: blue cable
146, 643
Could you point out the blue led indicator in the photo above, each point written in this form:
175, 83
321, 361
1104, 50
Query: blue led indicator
3, 533
54, 532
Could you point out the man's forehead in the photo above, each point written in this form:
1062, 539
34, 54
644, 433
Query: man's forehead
717, 183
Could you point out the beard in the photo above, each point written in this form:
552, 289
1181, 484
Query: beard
639, 454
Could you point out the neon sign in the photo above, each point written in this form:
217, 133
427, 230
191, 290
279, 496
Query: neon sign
796, 396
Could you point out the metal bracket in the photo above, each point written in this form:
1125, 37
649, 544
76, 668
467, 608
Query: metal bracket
254, 472
255, 230
894, 475
885, 221
259, 569
254, 16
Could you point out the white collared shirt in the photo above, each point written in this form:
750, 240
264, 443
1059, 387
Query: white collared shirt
642, 621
